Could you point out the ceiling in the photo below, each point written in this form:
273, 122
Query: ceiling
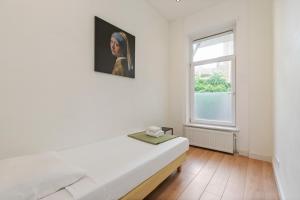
171, 9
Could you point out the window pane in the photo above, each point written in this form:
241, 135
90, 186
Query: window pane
213, 47
212, 92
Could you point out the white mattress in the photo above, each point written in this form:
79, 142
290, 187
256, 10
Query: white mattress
120, 164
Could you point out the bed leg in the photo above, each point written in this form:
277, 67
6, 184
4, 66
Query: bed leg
179, 169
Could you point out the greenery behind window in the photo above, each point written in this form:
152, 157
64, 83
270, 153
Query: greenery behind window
215, 83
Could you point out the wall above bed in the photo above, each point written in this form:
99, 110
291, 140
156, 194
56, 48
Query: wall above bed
51, 98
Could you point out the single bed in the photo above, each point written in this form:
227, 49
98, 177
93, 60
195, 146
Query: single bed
121, 168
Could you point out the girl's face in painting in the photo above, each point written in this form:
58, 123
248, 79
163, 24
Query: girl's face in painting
114, 47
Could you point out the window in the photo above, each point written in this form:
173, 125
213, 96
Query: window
212, 77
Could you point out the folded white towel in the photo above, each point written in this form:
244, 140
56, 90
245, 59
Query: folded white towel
154, 128
154, 133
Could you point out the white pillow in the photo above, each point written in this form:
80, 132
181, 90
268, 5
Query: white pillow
35, 176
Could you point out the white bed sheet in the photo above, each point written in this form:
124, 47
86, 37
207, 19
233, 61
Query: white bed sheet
60, 195
120, 164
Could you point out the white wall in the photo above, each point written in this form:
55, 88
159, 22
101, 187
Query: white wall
260, 79
51, 98
253, 22
287, 97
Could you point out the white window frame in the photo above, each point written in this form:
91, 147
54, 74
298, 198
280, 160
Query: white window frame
231, 58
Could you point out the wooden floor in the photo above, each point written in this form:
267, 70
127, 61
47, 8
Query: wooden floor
213, 175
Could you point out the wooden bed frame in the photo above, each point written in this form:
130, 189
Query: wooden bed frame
145, 188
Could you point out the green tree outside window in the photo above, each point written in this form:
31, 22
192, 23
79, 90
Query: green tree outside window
215, 83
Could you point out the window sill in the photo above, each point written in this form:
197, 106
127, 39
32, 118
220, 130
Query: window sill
212, 127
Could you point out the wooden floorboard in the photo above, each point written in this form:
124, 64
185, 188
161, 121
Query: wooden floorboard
210, 175
173, 186
199, 183
236, 184
219, 180
254, 183
269, 183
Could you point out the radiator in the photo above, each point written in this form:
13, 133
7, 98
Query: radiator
211, 139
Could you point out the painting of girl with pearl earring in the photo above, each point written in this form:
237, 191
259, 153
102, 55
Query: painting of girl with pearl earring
114, 50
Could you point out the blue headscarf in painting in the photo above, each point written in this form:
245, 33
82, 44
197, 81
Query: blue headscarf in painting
124, 44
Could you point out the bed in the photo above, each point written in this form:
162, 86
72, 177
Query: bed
121, 168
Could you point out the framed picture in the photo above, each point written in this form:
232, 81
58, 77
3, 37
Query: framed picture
114, 50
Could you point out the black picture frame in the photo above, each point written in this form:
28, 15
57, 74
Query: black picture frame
114, 50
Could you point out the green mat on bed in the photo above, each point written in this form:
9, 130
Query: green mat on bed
152, 140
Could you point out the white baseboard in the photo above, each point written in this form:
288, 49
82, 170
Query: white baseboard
243, 153
260, 157
256, 156
278, 182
